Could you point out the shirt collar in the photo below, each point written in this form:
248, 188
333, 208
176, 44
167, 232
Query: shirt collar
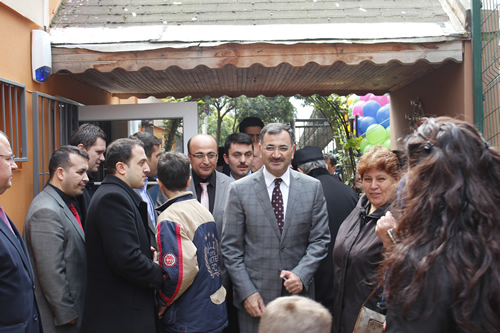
64, 196
269, 178
231, 174
197, 179
144, 188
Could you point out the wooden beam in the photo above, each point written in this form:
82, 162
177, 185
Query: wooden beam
245, 55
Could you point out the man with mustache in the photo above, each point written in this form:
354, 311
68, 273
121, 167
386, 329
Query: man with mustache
275, 230
92, 139
239, 155
56, 242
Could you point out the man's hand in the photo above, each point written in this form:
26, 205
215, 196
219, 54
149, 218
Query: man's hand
155, 256
161, 311
293, 284
73, 321
383, 225
254, 305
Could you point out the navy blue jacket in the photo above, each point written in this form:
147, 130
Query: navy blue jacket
19, 311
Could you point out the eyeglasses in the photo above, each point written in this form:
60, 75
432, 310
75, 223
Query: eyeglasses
10, 158
202, 156
272, 149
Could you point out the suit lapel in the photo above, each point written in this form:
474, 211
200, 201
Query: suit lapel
219, 191
293, 197
16, 240
69, 215
259, 185
191, 186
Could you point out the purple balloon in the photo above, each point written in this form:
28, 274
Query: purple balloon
364, 123
370, 109
383, 116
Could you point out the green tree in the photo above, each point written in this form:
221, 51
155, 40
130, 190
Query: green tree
269, 109
334, 110
276, 109
225, 113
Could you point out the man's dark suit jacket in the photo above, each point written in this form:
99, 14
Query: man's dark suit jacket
19, 311
121, 275
340, 201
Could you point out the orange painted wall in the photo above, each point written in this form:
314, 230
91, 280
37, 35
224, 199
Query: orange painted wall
15, 65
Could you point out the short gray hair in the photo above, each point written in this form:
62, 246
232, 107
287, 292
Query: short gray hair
309, 166
277, 128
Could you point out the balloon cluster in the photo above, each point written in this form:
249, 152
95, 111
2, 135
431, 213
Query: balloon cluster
373, 119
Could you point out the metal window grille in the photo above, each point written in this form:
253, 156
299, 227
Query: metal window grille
13, 117
486, 40
54, 120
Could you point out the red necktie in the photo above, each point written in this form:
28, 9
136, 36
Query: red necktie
277, 202
75, 213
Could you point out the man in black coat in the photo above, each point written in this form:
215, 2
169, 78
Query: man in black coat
340, 201
121, 274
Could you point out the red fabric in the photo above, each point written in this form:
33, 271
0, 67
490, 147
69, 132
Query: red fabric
75, 213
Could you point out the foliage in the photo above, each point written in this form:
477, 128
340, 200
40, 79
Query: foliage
269, 109
334, 109
223, 114
226, 127
276, 109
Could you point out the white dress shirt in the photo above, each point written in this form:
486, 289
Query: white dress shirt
284, 187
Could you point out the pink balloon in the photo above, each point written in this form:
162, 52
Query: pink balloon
384, 99
357, 109
365, 97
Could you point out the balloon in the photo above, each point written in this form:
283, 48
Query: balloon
352, 99
349, 110
370, 109
365, 97
364, 123
387, 144
357, 110
384, 100
375, 134
383, 116
367, 148
388, 132
363, 144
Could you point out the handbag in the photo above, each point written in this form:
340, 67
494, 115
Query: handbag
369, 321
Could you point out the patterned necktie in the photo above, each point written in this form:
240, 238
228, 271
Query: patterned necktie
204, 195
277, 202
75, 213
3, 217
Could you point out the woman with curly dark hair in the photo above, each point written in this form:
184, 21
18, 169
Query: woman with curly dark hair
443, 273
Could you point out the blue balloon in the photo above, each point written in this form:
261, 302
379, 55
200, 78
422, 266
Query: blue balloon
383, 116
370, 108
364, 123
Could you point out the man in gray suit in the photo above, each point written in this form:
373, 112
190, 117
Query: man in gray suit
275, 230
56, 242
152, 148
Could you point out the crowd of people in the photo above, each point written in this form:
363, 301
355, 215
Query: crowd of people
271, 240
